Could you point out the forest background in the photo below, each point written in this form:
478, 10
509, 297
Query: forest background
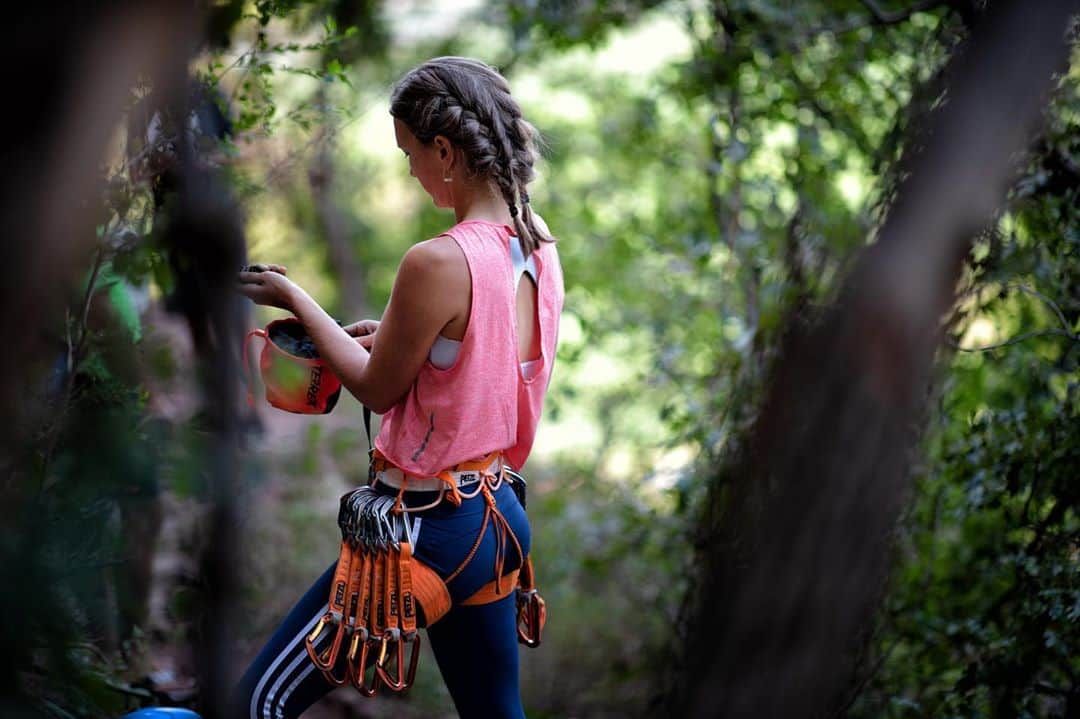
711, 170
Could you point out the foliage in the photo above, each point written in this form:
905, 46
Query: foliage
984, 616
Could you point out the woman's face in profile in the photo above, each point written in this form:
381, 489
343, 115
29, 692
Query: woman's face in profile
425, 163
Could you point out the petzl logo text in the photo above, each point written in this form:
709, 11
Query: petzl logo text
313, 388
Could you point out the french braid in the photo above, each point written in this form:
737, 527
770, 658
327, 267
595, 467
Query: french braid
469, 103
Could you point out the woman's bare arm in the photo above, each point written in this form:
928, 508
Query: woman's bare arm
431, 289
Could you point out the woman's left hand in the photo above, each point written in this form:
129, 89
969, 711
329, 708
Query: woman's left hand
271, 288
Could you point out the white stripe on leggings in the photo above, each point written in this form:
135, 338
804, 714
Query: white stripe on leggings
291, 688
253, 707
277, 706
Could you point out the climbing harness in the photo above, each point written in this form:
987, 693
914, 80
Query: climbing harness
379, 588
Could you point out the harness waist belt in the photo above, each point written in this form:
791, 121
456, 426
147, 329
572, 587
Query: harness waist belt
463, 479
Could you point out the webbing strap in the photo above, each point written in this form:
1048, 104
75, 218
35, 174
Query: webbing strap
430, 591
365, 602
340, 585
378, 610
408, 606
365, 591
367, 427
527, 578
390, 580
356, 581
370, 445
360, 632
490, 592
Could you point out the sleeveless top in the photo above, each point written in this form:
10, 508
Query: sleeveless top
444, 351
482, 402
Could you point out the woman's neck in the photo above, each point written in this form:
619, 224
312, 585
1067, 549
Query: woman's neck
481, 201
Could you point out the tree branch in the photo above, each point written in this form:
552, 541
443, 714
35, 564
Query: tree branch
1015, 340
1049, 303
1065, 330
883, 17
880, 18
74, 357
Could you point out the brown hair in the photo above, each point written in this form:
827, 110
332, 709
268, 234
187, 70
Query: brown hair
469, 103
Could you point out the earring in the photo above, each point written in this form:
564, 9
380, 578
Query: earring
447, 178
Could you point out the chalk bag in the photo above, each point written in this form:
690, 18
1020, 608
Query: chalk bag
296, 378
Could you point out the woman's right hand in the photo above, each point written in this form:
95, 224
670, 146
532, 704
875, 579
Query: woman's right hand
364, 330
268, 285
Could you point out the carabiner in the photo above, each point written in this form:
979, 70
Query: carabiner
357, 663
326, 661
309, 643
406, 673
414, 658
368, 690
328, 673
531, 617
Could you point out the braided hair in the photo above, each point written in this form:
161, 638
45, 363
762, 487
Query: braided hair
469, 103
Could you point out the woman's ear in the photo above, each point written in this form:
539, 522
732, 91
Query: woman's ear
446, 152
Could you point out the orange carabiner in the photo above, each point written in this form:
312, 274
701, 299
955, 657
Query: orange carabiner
320, 660
328, 658
357, 662
309, 643
328, 673
398, 654
414, 659
405, 673
531, 617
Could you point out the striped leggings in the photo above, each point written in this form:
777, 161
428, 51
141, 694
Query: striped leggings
475, 646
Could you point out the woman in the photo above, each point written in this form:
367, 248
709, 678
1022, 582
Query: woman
458, 366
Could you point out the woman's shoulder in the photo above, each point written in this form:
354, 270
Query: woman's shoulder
434, 260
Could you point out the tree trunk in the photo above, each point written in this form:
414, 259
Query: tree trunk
795, 565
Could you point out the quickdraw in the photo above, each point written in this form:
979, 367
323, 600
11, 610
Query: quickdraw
371, 612
369, 635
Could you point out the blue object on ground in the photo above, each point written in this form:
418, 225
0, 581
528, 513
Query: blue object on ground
162, 713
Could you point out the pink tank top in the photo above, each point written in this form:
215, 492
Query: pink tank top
482, 402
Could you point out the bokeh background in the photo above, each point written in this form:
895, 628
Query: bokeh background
711, 170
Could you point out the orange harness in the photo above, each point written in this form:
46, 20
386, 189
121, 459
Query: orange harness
379, 585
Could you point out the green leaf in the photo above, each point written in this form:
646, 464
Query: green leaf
124, 306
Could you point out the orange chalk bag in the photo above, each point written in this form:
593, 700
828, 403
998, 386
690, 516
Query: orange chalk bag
295, 377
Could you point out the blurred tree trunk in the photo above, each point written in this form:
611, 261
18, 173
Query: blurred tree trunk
75, 65
51, 201
797, 542
345, 264
52, 150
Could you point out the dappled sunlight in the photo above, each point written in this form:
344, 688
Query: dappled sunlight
980, 332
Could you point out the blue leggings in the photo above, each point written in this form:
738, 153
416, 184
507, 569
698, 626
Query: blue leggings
475, 646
